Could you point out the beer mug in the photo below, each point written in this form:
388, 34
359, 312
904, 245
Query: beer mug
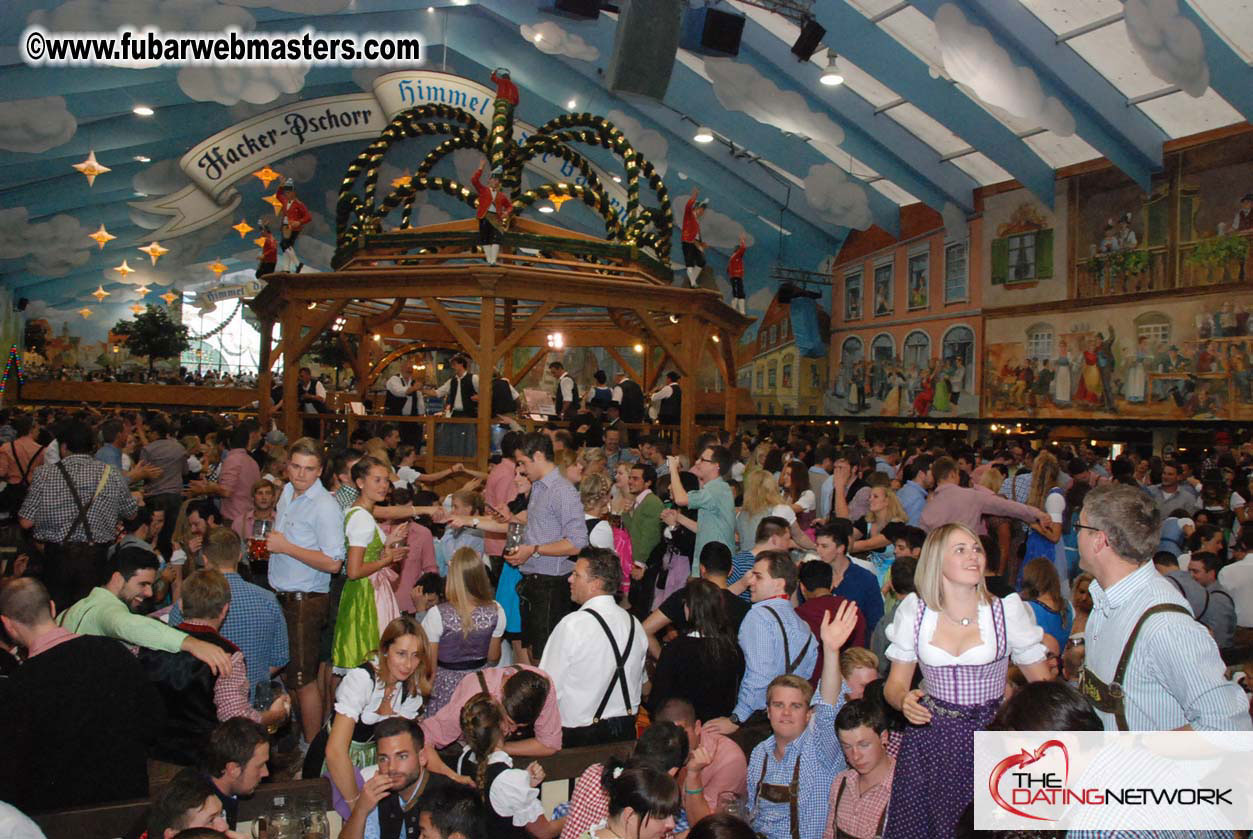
514, 537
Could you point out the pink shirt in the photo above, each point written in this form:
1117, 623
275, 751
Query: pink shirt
498, 492
50, 639
420, 560
726, 772
861, 809
952, 503
239, 473
445, 726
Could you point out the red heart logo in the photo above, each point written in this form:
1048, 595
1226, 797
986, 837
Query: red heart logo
1025, 758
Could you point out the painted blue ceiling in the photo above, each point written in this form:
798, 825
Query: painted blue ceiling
759, 190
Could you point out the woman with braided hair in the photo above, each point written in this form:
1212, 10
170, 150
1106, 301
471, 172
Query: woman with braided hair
510, 795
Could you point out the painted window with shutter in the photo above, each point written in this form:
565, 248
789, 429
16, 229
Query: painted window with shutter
1022, 257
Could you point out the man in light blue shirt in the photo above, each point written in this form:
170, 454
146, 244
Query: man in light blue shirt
306, 547
913, 492
714, 501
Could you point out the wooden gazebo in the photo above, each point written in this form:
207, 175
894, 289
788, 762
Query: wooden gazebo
428, 287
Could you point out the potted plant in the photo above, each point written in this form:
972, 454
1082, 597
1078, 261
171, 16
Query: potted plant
1221, 251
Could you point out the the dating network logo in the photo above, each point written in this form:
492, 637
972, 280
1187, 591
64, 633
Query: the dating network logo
1027, 788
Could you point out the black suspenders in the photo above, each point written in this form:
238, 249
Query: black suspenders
788, 662
619, 675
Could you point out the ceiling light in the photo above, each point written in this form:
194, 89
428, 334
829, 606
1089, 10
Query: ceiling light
716, 339
617, 179
639, 349
539, 36
831, 76
143, 159
674, 318
704, 135
313, 304
571, 104
556, 340
142, 111
546, 208
378, 337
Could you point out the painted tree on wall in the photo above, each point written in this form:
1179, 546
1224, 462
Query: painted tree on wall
153, 334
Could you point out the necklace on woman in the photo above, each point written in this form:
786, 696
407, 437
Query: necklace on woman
958, 621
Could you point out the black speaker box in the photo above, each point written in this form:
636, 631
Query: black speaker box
577, 9
807, 42
711, 31
644, 47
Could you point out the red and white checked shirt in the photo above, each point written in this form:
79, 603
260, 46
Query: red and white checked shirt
589, 805
860, 810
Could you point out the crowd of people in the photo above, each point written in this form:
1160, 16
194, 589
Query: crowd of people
800, 634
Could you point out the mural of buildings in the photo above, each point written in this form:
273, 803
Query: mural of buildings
780, 379
907, 325
1119, 304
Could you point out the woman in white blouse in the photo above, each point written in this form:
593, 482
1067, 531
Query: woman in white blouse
511, 795
389, 684
963, 638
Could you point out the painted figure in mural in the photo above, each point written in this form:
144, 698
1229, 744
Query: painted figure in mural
956, 375
1061, 375
1244, 215
1135, 388
735, 274
881, 304
1105, 363
896, 388
1126, 236
1090, 391
1208, 359
1238, 368
943, 400
853, 388
1227, 320
926, 393
693, 247
1109, 244
1043, 386
852, 304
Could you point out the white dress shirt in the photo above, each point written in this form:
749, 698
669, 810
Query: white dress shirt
398, 386
443, 389
1237, 578
579, 660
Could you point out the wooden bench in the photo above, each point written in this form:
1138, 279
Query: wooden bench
126, 818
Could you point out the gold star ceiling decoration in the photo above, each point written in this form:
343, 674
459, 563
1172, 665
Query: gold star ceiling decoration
85, 312
100, 294
154, 251
136, 308
101, 237
266, 175
217, 267
243, 228
273, 202
169, 297
558, 200
90, 168
142, 290
403, 180
124, 268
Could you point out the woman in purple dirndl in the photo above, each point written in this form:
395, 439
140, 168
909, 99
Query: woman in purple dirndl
963, 638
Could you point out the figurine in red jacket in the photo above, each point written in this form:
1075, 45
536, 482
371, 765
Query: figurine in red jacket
494, 210
505, 89
269, 250
294, 215
735, 273
693, 247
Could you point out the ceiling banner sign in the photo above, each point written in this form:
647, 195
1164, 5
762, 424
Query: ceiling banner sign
217, 163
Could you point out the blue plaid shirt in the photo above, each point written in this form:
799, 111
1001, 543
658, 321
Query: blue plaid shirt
255, 624
821, 759
764, 653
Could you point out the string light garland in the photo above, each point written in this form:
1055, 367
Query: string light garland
14, 363
221, 326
